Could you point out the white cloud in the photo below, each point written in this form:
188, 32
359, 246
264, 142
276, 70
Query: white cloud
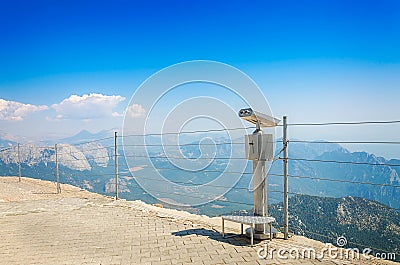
116, 114
135, 111
16, 111
90, 106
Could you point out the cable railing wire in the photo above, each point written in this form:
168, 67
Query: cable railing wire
310, 195
86, 158
186, 158
187, 132
341, 162
343, 123
181, 145
347, 181
194, 184
92, 141
81, 150
205, 171
344, 142
217, 198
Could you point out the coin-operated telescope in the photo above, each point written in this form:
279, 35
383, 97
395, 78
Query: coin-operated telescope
259, 149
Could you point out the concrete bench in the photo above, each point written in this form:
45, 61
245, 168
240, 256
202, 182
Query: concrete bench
248, 220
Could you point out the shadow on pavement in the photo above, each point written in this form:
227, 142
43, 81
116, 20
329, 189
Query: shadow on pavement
233, 239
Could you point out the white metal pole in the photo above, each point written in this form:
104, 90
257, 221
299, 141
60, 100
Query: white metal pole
259, 185
285, 174
259, 192
116, 164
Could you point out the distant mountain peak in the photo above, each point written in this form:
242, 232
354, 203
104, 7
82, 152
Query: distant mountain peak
85, 135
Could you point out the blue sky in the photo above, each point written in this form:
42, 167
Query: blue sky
314, 60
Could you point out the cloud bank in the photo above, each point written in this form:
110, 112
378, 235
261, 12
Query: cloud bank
87, 106
16, 111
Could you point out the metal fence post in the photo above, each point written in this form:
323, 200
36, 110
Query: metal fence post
19, 164
116, 164
57, 176
285, 174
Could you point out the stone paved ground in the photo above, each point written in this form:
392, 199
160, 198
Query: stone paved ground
90, 229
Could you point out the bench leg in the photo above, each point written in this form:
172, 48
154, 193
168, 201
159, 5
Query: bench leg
223, 228
270, 231
251, 234
241, 226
